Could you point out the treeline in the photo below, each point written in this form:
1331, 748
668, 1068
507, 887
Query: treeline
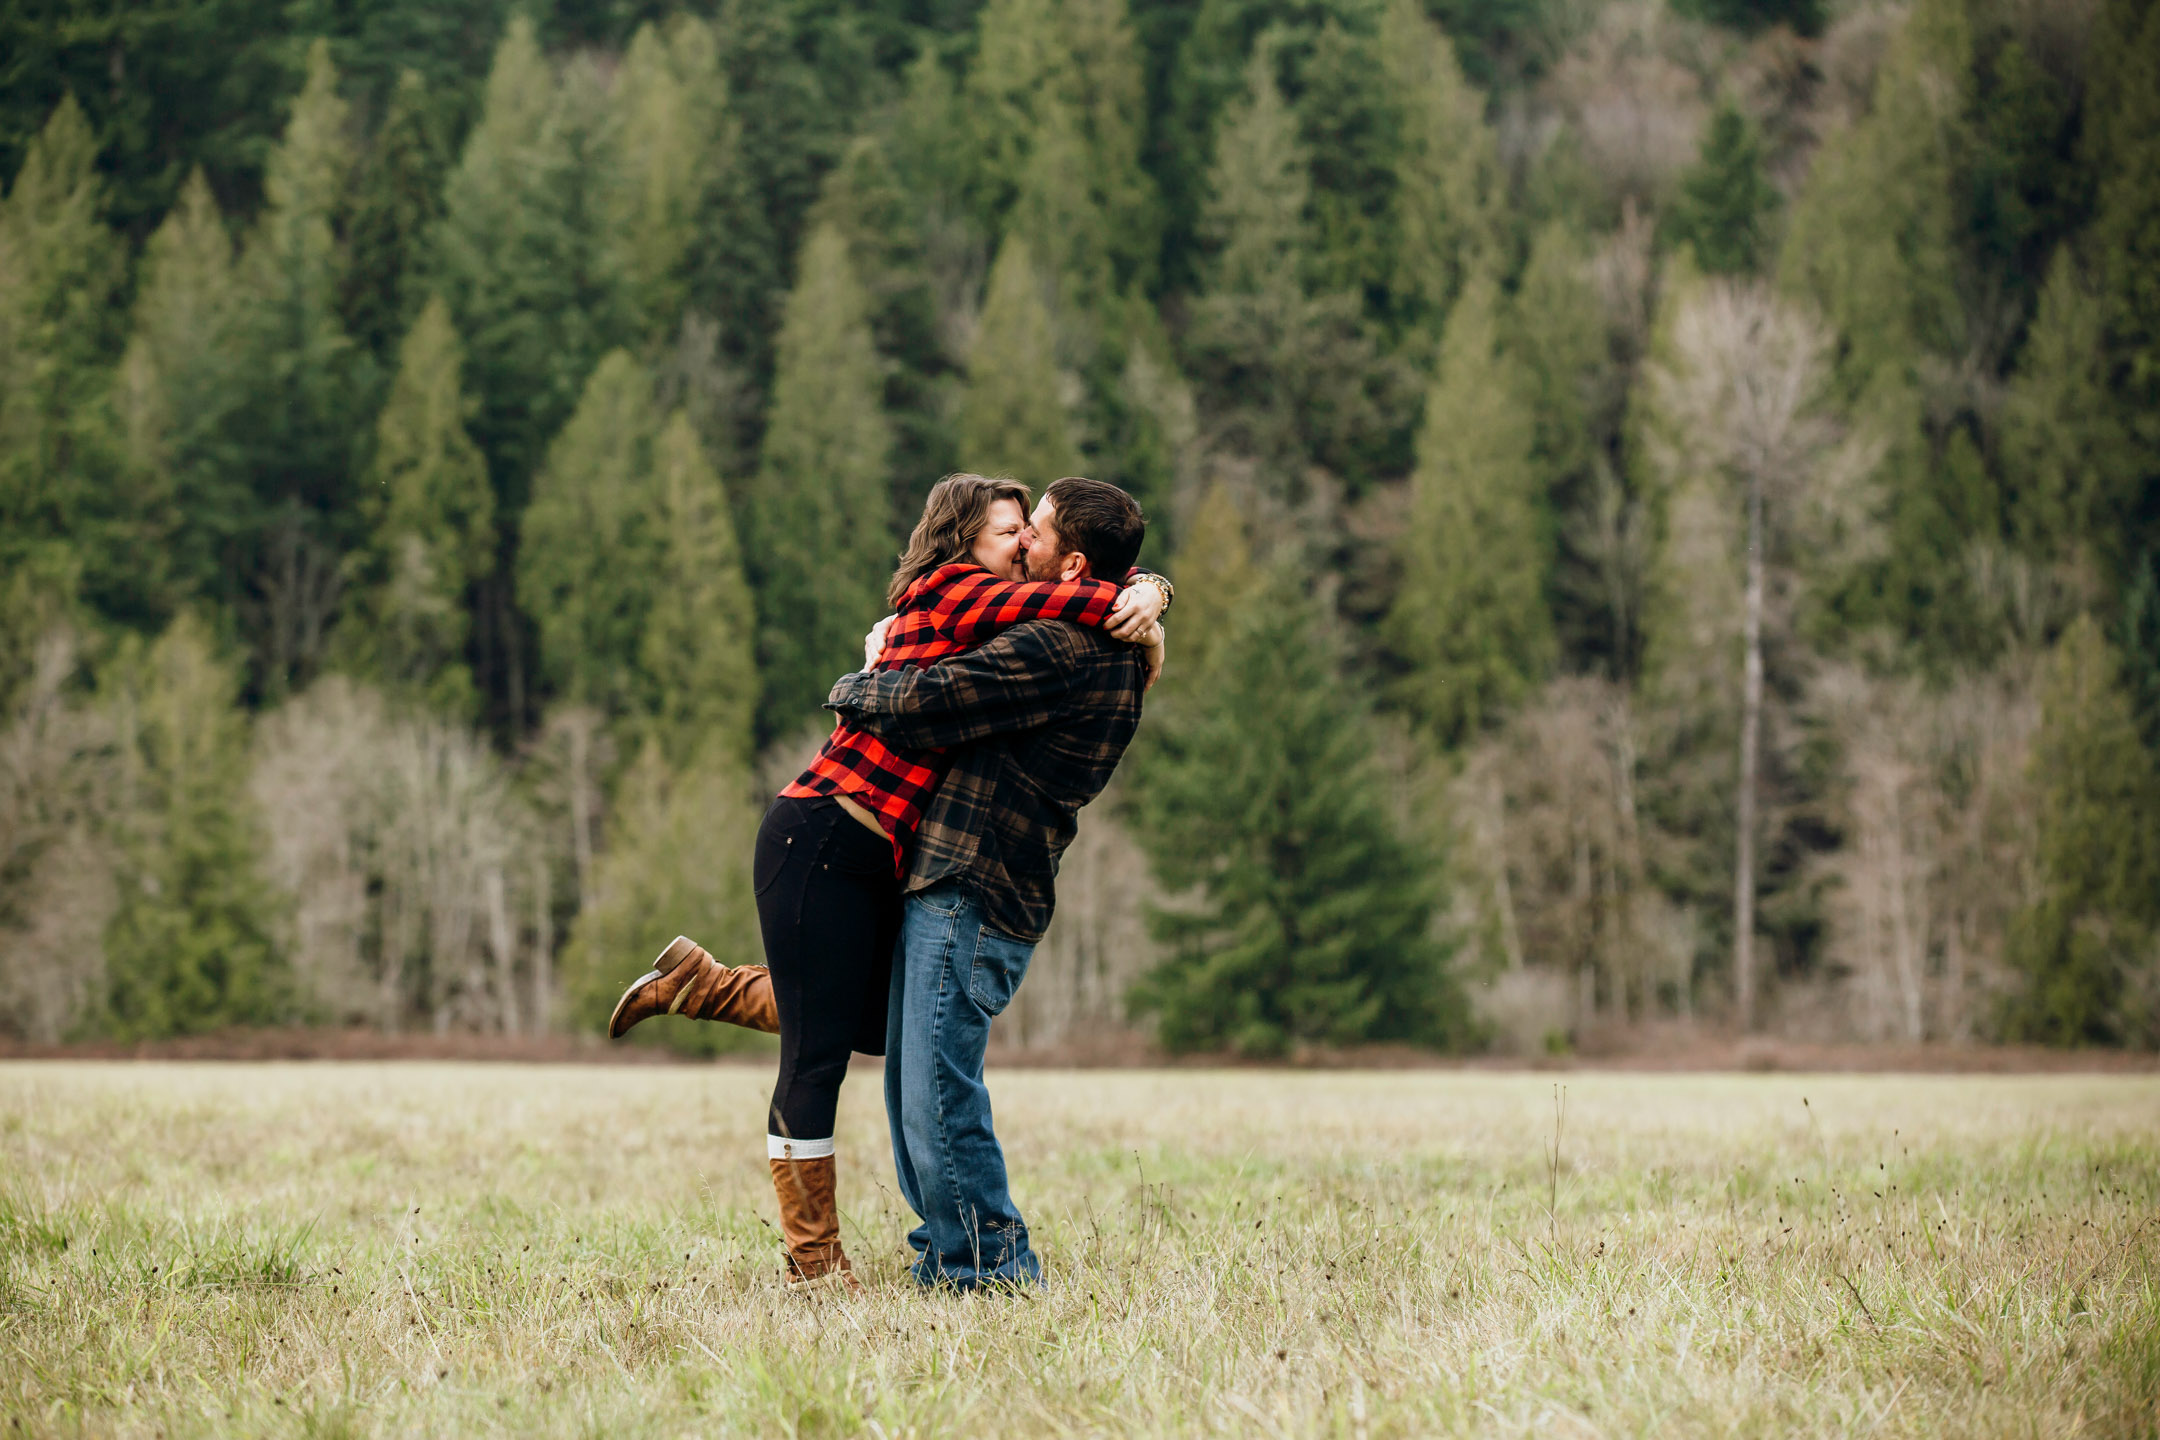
1662, 496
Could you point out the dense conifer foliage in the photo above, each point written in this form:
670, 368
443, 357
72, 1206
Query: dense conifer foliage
1663, 492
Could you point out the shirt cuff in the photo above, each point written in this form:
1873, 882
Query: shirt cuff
849, 691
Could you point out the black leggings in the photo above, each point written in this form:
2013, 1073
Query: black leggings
829, 906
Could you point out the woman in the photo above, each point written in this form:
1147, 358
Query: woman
831, 852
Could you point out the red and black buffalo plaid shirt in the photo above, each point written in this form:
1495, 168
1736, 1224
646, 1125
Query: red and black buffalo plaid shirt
952, 609
1037, 720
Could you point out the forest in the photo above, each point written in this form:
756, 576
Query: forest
1664, 497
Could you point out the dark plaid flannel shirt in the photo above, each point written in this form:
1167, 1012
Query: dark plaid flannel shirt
1041, 715
948, 610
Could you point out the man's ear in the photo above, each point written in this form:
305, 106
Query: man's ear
1072, 565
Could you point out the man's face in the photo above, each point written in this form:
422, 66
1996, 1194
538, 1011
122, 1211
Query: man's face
1046, 557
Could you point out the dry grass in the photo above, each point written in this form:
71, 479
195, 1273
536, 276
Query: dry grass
435, 1249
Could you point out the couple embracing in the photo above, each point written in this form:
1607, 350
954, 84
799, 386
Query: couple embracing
904, 879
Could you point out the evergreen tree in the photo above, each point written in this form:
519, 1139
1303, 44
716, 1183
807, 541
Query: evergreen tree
1290, 378
1874, 243
1013, 420
60, 271
1219, 579
1312, 911
1055, 100
516, 265
1449, 178
190, 947
1726, 198
592, 547
884, 216
431, 513
2099, 858
179, 387
1873, 237
2126, 250
671, 142
396, 204
697, 651
1804, 16
2068, 450
307, 392
820, 511
1470, 618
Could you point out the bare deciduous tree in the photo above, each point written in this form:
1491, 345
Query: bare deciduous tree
418, 876
56, 867
1739, 395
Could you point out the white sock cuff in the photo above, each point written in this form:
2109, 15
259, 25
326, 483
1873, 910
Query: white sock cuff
780, 1147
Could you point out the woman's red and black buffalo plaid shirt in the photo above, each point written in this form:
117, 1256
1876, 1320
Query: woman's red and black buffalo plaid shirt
953, 608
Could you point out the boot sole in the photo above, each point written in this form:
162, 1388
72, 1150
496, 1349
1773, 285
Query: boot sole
678, 950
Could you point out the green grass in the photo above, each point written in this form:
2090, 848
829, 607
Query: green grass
436, 1249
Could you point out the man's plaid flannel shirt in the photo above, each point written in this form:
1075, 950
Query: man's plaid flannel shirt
953, 607
1040, 717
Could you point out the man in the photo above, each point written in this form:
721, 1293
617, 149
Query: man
1039, 718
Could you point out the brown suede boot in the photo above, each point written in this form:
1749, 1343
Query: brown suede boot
686, 980
810, 1223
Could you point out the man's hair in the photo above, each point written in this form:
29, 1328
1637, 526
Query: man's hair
955, 513
1100, 521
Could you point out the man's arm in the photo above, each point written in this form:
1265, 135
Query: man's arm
1015, 682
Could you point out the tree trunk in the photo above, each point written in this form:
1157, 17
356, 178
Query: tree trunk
1750, 745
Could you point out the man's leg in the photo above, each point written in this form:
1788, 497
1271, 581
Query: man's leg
959, 976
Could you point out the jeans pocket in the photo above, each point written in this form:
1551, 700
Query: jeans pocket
1000, 965
776, 842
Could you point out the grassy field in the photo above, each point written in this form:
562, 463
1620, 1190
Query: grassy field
438, 1249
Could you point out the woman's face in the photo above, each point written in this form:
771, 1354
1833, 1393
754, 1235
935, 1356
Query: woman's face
997, 547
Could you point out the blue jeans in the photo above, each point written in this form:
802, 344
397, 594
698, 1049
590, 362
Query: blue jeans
951, 974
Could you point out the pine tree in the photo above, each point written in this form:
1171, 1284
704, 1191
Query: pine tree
2099, 858
821, 516
884, 216
1220, 578
515, 262
60, 270
1471, 618
1726, 199
1311, 912
697, 651
396, 204
1290, 378
431, 513
1804, 16
190, 947
1065, 78
2126, 257
671, 142
591, 547
179, 386
2068, 449
1874, 243
307, 389
1013, 420
1873, 236
1449, 181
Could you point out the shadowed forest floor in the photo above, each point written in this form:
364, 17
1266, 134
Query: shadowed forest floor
439, 1248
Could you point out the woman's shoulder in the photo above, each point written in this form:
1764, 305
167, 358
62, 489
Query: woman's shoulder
953, 576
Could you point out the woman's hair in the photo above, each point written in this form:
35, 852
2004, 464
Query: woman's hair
955, 513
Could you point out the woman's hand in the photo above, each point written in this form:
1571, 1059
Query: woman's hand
1139, 606
873, 645
1151, 654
